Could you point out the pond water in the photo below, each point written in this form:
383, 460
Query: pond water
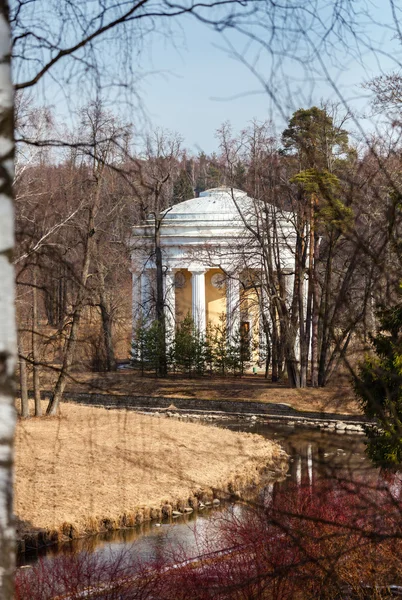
314, 455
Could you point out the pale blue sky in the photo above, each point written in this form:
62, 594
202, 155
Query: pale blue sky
191, 83
205, 86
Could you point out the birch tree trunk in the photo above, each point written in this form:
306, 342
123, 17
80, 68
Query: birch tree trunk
8, 338
23, 387
35, 350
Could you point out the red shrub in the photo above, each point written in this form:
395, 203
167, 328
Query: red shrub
336, 542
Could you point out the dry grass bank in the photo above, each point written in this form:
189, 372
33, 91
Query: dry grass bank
337, 398
92, 469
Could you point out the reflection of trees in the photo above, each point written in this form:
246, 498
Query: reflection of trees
333, 458
331, 528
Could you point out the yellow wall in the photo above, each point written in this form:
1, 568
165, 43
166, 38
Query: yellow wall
249, 311
215, 298
215, 302
183, 297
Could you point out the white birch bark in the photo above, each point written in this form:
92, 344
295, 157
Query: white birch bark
8, 342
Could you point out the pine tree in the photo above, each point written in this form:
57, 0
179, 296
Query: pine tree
236, 355
224, 352
239, 175
313, 135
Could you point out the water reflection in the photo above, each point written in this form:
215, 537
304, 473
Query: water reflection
314, 456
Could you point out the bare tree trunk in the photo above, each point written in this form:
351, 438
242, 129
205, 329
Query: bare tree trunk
106, 322
312, 297
275, 367
72, 339
267, 334
8, 341
160, 300
290, 356
23, 386
300, 258
35, 353
324, 313
315, 317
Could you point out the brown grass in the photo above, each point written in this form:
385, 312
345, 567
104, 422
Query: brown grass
92, 469
337, 398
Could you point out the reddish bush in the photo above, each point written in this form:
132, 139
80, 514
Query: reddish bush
336, 543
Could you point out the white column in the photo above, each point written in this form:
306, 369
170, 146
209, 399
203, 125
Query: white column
289, 278
232, 305
146, 296
170, 303
136, 296
198, 298
136, 309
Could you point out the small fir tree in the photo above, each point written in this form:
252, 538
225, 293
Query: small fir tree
379, 389
154, 348
217, 338
189, 348
138, 345
226, 353
235, 354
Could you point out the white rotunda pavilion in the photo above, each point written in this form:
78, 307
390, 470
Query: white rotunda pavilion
206, 249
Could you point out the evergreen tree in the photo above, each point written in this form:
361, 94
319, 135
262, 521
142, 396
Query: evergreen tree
379, 389
217, 338
313, 135
189, 348
155, 348
182, 188
322, 188
318, 144
215, 177
239, 175
201, 182
225, 353
236, 355
138, 345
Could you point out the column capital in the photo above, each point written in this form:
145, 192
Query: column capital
193, 268
169, 270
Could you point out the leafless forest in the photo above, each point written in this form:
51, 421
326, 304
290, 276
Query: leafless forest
75, 208
80, 184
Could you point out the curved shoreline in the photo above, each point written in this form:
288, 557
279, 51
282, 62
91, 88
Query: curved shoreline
205, 498
41, 482
216, 410
233, 407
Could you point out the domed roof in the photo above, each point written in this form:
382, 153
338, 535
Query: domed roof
220, 203
206, 230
